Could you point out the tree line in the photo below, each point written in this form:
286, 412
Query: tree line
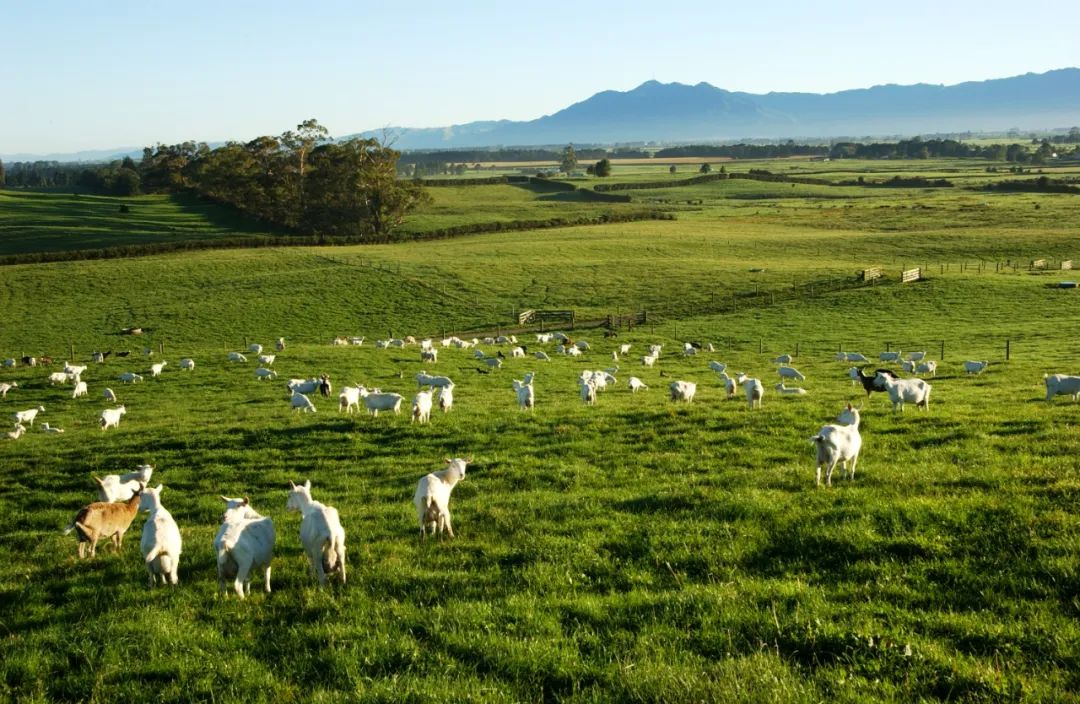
300, 180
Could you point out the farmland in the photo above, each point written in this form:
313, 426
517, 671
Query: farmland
632, 551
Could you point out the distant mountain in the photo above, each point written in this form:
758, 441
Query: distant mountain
89, 156
674, 112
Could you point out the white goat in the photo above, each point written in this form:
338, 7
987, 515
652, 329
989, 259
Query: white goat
975, 367
542, 356
636, 385
110, 417
421, 408
903, 391
682, 391
79, 390
718, 367
17, 433
156, 369
58, 378
349, 399
850, 357
375, 402
908, 366
28, 415
526, 398
255, 348
5, 387
267, 359
1061, 385
790, 373
916, 356
130, 378
425, 379
732, 384
49, 429
280, 344
783, 359
109, 395
838, 444
754, 392
264, 373
237, 357
187, 363
588, 391
303, 386
927, 367
121, 487
432, 497
649, 360
321, 533
429, 355
301, 403
890, 356
161, 544
493, 362
244, 543
789, 390
446, 398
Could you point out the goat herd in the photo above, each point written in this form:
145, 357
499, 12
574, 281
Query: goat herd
245, 541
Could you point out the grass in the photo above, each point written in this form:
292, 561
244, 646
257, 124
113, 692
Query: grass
636, 551
32, 221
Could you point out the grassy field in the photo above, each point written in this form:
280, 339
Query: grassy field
636, 551
33, 221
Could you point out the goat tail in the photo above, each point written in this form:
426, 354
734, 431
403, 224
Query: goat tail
331, 555
67, 531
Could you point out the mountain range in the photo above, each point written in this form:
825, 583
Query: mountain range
675, 112
678, 113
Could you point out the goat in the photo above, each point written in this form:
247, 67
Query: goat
838, 444
110, 417
432, 497
321, 533
121, 487
446, 398
161, 544
636, 385
244, 543
237, 357
975, 367
421, 410
682, 390
103, 520
28, 415
789, 390
525, 397
5, 387
1061, 385
754, 392
870, 383
903, 391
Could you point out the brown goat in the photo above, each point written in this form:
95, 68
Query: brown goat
102, 520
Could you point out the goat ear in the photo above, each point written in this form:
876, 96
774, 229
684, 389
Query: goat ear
292, 486
307, 484
247, 501
159, 488
468, 460
223, 498
446, 460
97, 479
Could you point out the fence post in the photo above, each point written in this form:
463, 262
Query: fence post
161, 347
1007, 341
72, 349
796, 349
760, 349
942, 357
887, 347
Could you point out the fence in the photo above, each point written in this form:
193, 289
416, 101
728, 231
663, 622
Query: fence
909, 275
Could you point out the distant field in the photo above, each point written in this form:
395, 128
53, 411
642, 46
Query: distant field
635, 551
48, 222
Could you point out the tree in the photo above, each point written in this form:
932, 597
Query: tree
353, 189
706, 168
569, 160
2, 177
602, 168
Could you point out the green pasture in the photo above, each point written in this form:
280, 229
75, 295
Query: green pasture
32, 221
635, 551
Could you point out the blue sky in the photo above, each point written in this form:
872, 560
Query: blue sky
88, 75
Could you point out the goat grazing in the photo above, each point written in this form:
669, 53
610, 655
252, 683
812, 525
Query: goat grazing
636, 385
682, 391
321, 533
301, 403
975, 367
